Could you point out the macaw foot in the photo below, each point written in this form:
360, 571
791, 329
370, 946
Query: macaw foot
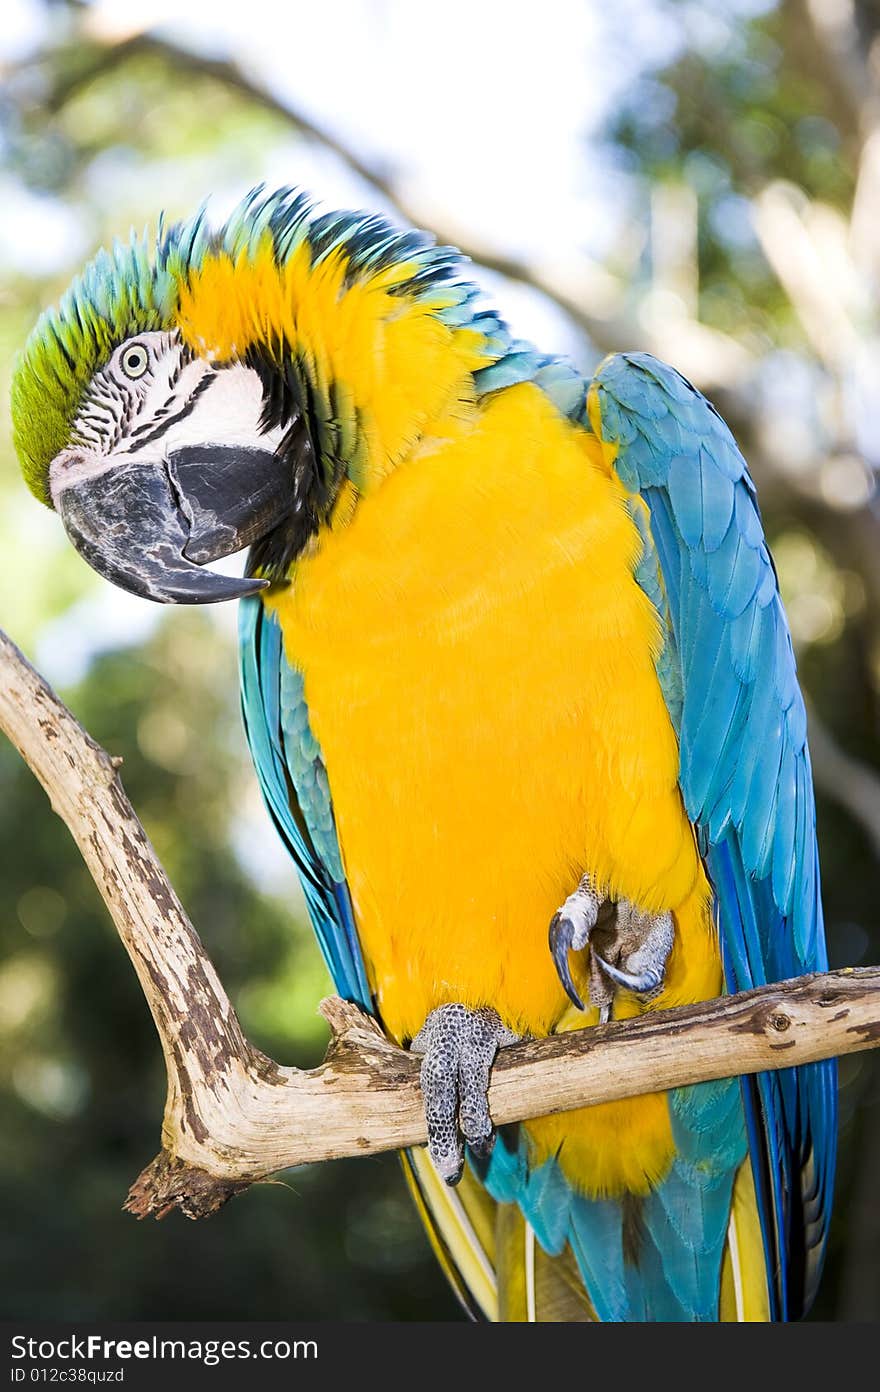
459, 1046
628, 948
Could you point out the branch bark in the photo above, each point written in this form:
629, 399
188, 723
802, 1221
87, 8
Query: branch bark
234, 1116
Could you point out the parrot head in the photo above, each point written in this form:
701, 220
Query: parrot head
203, 391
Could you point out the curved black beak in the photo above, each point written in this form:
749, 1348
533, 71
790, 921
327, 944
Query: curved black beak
150, 526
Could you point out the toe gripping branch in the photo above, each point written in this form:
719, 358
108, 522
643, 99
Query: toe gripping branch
628, 948
459, 1046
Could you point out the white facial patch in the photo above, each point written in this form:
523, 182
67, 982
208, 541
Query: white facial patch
174, 399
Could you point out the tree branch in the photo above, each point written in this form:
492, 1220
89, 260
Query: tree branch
234, 1116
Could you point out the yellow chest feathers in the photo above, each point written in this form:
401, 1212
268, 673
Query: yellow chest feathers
478, 670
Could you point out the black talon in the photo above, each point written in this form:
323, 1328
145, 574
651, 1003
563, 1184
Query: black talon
560, 935
643, 983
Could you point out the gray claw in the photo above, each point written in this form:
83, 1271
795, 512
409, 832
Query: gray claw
641, 983
459, 1046
644, 943
561, 935
570, 930
641, 942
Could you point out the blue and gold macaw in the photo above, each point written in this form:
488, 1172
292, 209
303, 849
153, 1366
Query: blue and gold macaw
521, 696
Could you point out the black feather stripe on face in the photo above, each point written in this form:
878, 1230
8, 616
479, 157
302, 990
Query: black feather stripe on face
288, 403
165, 416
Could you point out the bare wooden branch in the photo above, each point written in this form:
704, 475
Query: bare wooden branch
234, 1116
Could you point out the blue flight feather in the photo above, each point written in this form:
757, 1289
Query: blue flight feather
749, 795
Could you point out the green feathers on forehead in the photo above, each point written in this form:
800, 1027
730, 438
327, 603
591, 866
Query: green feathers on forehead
135, 288
131, 289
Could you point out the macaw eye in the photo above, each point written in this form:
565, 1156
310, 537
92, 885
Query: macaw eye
135, 360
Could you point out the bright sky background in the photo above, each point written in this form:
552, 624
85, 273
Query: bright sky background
479, 107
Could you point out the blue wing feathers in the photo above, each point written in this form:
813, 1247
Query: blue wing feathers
597, 1242
294, 785
717, 494
745, 773
547, 1200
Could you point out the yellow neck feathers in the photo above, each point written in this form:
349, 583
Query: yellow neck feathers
381, 370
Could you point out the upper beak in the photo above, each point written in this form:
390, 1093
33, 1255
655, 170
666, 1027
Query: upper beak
150, 526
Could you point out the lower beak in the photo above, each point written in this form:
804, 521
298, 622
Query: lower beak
150, 527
